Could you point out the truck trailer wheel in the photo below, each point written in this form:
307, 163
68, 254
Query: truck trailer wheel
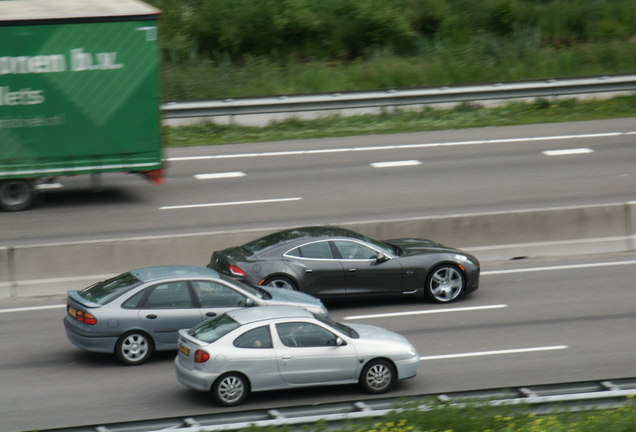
16, 195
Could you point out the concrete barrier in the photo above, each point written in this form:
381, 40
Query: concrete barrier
55, 268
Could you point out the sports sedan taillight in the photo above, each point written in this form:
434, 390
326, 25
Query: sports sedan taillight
201, 356
235, 271
82, 316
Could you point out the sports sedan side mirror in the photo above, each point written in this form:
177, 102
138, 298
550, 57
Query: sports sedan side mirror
380, 258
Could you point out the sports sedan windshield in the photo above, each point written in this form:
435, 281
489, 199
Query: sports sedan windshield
108, 290
386, 247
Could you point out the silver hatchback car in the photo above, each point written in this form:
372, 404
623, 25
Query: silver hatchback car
277, 347
140, 311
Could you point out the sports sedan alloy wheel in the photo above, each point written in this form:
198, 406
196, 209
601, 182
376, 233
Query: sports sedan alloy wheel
281, 282
445, 284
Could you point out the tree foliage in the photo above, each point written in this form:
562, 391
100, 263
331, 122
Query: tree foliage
305, 30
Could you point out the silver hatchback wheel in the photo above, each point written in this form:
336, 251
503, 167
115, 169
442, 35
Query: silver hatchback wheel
445, 284
281, 282
230, 389
378, 376
134, 348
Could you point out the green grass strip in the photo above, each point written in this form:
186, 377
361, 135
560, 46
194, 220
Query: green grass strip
466, 115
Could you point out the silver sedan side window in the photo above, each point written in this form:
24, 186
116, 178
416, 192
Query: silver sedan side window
170, 295
213, 294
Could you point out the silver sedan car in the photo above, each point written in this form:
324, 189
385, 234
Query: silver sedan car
140, 311
277, 347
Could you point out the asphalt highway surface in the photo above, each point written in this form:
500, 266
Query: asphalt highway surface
531, 322
363, 178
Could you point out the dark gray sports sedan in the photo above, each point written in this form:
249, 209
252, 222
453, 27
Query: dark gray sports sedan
330, 262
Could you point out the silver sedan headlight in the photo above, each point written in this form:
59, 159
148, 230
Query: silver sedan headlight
322, 311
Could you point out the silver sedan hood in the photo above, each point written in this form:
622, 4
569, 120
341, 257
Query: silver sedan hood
295, 298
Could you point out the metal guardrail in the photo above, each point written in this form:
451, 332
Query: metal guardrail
540, 399
399, 97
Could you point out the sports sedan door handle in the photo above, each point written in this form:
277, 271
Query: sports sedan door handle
210, 314
287, 357
308, 270
352, 270
151, 316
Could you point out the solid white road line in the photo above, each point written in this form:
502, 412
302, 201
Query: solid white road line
422, 312
212, 176
266, 201
32, 308
395, 164
490, 353
563, 267
568, 152
400, 146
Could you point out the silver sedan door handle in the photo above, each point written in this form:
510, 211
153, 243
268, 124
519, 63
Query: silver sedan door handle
151, 316
308, 270
287, 357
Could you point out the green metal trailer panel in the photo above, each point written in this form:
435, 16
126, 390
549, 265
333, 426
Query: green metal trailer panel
79, 88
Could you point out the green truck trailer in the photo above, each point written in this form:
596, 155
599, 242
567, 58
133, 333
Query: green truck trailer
79, 93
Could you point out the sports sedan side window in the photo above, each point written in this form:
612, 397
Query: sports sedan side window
302, 334
213, 294
314, 250
256, 338
354, 250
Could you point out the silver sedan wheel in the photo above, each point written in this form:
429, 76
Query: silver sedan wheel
230, 390
134, 348
377, 377
281, 282
445, 284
